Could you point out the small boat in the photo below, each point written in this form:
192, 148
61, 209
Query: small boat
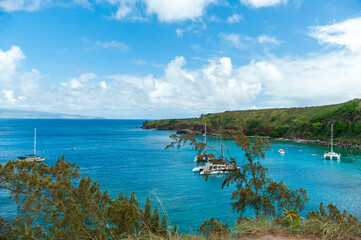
281, 151
32, 157
331, 155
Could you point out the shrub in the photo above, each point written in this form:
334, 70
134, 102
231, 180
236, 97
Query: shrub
214, 228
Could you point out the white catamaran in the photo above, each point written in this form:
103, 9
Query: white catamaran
212, 166
331, 155
32, 157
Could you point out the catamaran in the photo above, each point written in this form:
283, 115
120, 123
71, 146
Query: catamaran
213, 166
332, 154
211, 169
32, 157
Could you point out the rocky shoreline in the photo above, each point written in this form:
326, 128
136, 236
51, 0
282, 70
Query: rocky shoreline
199, 130
319, 142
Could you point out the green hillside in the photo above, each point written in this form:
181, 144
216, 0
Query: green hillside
305, 123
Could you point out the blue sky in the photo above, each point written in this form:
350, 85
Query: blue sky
169, 59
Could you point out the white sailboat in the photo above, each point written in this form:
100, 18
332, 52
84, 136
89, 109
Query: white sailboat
331, 155
197, 158
217, 167
32, 157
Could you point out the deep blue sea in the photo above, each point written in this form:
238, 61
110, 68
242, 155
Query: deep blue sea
122, 156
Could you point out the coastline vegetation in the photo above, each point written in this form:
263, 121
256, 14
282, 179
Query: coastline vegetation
55, 202
310, 123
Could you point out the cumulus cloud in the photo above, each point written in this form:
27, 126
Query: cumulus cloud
235, 18
345, 34
165, 10
218, 85
175, 10
211, 87
15, 85
133, 10
263, 3
268, 40
235, 40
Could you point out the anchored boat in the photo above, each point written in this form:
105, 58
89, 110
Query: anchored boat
213, 166
331, 155
32, 157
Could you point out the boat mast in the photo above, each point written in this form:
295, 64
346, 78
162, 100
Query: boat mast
220, 138
34, 142
205, 137
331, 137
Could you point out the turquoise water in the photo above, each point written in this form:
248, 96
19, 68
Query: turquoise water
122, 156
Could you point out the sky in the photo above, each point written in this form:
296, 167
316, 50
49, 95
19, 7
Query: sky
151, 59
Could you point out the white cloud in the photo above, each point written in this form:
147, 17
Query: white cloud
263, 3
123, 11
175, 10
133, 10
34, 5
267, 39
15, 85
346, 33
76, 83
235, 40
179, 32
316, 79
210, 88
20, 5
9, 61
105, 45
235, 18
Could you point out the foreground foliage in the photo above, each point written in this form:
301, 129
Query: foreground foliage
255, 191
54, 202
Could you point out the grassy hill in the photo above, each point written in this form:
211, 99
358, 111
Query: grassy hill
305, 123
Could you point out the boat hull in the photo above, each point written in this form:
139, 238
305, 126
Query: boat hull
34, 159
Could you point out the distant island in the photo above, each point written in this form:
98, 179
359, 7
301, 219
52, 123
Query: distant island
24, 114
307, 125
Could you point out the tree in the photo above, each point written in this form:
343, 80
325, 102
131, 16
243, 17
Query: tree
340, 126
54, 202
318, 126
254, 190
279, 131
358, 127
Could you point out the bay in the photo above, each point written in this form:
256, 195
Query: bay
122, 156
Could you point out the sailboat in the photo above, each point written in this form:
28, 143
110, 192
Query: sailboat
331, 155
213, 167
32, 157
198, 157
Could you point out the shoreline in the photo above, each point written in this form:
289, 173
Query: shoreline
285, 139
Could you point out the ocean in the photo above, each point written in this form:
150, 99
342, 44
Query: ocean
120, 155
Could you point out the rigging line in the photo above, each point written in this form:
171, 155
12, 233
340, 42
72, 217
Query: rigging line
227, 148
353, 158
42, 146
